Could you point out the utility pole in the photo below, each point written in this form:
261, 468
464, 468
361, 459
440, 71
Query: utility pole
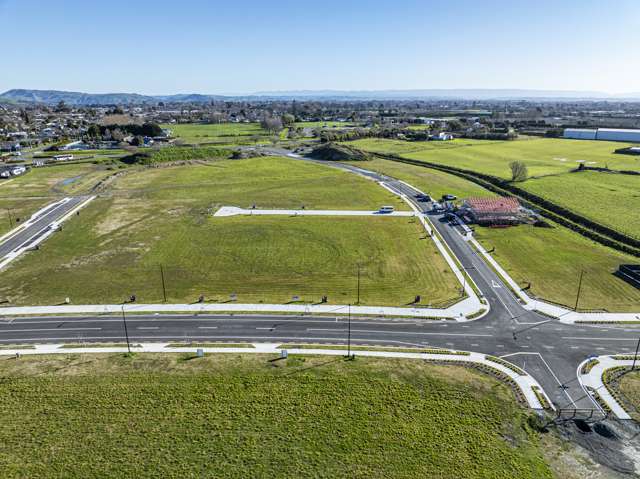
164, 289
579, 289
126, 332
10, 219
635, 357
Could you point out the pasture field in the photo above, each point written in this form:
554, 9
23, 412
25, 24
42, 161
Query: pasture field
551, 259
24, 195
162, 216
233, 415
221, 133
607, 198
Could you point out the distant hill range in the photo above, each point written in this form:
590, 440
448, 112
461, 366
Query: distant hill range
53, 97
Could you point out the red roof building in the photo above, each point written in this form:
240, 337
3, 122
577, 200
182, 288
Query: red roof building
497, 211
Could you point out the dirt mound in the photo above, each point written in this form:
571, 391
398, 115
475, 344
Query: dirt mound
335, 152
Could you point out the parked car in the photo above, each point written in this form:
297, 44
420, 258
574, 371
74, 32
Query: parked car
449, 197
386, 209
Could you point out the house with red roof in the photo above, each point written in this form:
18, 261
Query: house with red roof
493, 211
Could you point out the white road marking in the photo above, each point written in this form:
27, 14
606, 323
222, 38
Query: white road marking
43, 330
147, 327
599, 339
325, 329
207, 327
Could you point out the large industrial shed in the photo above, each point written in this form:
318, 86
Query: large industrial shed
605, 134
580, 134
611, 134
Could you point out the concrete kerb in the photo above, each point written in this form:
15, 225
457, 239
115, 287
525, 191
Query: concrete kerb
592, 381
525, 382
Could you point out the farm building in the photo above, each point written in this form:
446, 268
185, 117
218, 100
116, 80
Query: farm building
493, 211
605, 134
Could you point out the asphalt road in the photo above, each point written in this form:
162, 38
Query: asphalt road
39, 227
549, 350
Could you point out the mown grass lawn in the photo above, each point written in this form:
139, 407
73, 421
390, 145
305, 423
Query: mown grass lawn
551, 259
163, 216
610, 199
243, 416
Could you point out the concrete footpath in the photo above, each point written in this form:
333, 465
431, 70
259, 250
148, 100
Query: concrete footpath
527, 384
457, 312
235, 211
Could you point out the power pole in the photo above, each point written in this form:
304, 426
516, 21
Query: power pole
164, 289
10, 219
635, 357
579, 289
126, 332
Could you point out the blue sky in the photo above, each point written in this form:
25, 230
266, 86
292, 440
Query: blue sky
244, 46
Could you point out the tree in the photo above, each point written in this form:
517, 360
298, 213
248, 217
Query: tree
519, 171
271, 124
93, 131
288, 119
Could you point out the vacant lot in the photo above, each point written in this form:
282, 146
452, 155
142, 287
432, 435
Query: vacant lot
162, 216
607, 198
551, 259
243, 416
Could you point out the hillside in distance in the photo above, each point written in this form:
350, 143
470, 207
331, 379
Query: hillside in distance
77, 99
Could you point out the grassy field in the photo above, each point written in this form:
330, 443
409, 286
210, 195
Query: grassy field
162, 216
222, 133
605, 197
552, 259
268, 182
243, 416
24, 195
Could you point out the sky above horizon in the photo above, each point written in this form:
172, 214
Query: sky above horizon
247, 46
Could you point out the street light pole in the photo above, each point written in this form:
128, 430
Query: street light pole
126, 332
579, 289
164, 289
